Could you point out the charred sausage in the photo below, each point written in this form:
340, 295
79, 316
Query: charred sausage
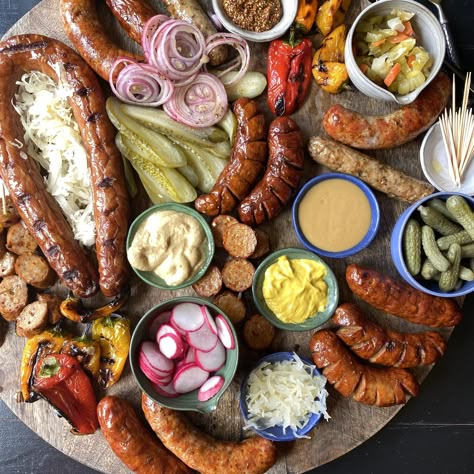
136, 447
391, 130
282, 177
35, 270
381, 387
246, 163
37, 208
20, 240
13, 297
385, 347
32, 320
204, 453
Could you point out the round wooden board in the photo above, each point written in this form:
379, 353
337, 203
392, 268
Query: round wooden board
351, 423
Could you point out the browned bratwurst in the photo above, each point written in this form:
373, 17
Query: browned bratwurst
401, 299
381, 346
402, 126
204, 453
246, 163
382, 387
136, 447
282, 177
37, 208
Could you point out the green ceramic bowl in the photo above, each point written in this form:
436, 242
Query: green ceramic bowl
187, 401
314, 321
208, 247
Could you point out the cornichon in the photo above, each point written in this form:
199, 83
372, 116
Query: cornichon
428, 271
466, 274
440, 206
412, 246
437, 221
431, 250
467, 251
460, 209
460, 238
449, 278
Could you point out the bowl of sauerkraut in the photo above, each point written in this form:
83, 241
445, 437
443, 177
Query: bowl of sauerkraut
394, 49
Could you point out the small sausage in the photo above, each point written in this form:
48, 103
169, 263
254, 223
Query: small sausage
232, 306
240, 240
391, 130
204, 453
381, 387
35, 270
379, 175
53, 303
258, 332
19, 239
219, 225
10, 216
7, 264
210, 284
401, 299
13, 297
237, 274
246, 163
131, 441
282, 177
263, 244
385, 347
32, 320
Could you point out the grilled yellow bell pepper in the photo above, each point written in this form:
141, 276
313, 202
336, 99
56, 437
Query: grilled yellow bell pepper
305, 15
87, 352
331, 14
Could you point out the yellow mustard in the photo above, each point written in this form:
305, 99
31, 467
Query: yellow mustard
294, 289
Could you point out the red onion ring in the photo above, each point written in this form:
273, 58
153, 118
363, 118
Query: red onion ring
149, 30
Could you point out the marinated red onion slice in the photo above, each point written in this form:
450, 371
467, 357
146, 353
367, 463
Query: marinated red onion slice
149, 30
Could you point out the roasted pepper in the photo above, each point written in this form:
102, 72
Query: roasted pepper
60, 379
87, 352
331, 14
305, 15
113, 334
288, 74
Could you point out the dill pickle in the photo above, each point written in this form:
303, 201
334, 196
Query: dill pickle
460, 209
465, 273
431, 250
460, 238
437, 221
449, 278
440, 206
467, 251
412, 246
428, 272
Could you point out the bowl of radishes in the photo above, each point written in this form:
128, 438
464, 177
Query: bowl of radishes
184, 354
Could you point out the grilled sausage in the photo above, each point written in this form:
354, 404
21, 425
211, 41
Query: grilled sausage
246, 164
13, 297
203, 452
37, 208
402, 300
32, 320
19, 240
7, 264
35, 270
8, 214
134, 445
380, 176
381, 387
282, 177
391, 130
53, 304
385, 347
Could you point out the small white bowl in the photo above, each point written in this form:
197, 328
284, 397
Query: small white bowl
289, 12
428, 34
434, 162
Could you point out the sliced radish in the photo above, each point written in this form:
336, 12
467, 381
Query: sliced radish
209, 320
203, 339
187, 317
225, 332
165, 390
159, 319
210, 387
212, 360
171, 346
166, 329
189, 378
163, 381
155, 358
152, 374
190, 355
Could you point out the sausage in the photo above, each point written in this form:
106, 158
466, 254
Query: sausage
10, 216
239, 240
13, 297
381, 387
385, 347
380, 176
237, 274
402, 300
132, 443
35, 270
85, 31
53, 303
263, 244
204, 453
258, 332
210, 284
7, 264
19, 240
36, 207
282, 177
395, 129
219, 225
232, 306
32, 320
246, 163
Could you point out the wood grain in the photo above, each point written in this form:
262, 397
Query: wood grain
351, 423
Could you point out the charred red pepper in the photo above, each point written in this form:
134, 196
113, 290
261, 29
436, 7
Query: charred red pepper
60, 379
288, 74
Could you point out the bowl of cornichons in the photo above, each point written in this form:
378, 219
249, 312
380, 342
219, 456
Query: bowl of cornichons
432, 244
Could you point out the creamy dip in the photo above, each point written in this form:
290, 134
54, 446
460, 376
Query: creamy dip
170, 244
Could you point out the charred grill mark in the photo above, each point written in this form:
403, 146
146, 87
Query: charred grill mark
83, 91
23, 47
52, 251
70, 274
93, 117
39, 225
107, 182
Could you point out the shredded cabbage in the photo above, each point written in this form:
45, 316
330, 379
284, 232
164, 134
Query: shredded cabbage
286, 394
52, 138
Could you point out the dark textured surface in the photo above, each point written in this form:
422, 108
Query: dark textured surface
432, 434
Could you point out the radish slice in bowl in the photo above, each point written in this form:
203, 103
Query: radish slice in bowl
210, 387
203, 339
160, 319
187, 317
171, 346
212, 360
225, 332
189, 378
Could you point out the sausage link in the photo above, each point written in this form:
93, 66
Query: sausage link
245, 165
385, 347
133, 444
402, 300
395, 129
381, 387
203, 452
282, 177
85, 31
37, 208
